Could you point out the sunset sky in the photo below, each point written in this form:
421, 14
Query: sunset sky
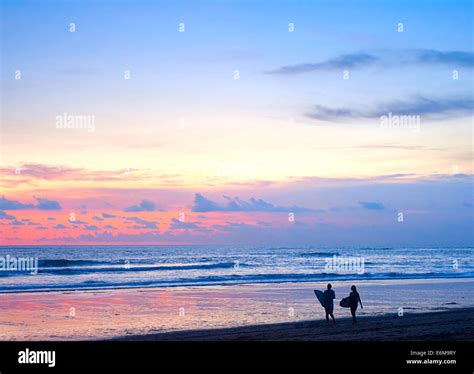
236, 124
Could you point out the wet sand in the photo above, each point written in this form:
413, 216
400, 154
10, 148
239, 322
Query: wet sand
451, 325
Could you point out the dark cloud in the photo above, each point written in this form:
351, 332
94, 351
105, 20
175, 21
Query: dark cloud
145, 206
453, 58
6, 204
324, 113
107, 215
421, 106
176, 224
141, 223
346, 61
60, 226
96, 218
202, 204
43, 204
4, 215
91, 228
389, 58
426, 106
371, 205
78, 222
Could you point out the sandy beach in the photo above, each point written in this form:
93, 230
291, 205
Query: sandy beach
279, 311
452, 325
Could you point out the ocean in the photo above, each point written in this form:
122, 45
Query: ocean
65, 268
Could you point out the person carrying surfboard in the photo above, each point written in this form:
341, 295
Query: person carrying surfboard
329, 296
354, 300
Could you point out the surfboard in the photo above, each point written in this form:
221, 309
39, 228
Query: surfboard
320, 296
345, 303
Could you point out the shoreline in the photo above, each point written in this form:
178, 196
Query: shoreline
449, 325
378, 281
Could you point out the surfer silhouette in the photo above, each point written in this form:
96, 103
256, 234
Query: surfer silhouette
354, 300
329, 296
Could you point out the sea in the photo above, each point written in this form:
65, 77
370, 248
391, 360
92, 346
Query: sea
95, 267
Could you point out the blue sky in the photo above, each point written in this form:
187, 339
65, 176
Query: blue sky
222, 36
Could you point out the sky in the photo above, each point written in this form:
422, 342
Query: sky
236, 122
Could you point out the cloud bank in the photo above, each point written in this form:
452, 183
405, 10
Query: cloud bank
346, 61
43, 204
234, 204
434, 108
394, 58
144, 206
